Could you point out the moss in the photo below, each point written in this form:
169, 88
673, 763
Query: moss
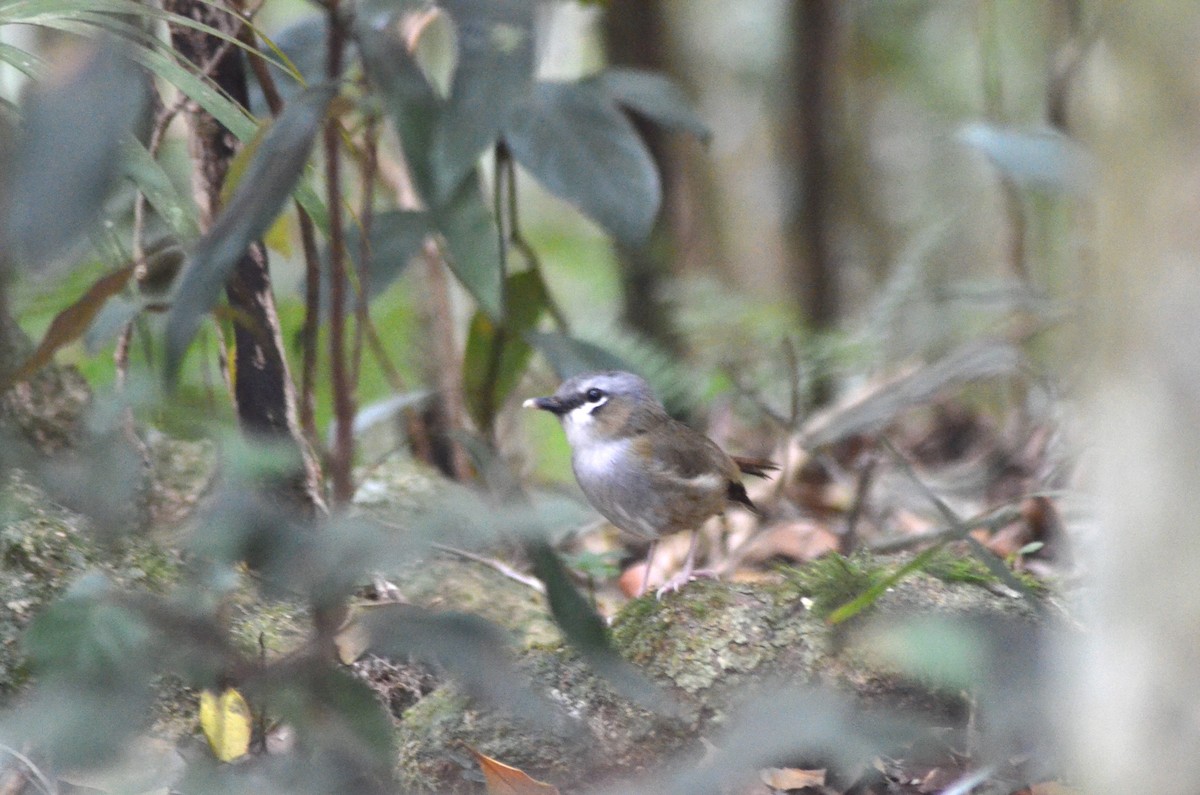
833, 580
968, 569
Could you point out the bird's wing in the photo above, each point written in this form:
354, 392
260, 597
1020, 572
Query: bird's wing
685, 458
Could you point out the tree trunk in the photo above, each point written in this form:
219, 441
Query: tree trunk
808, 217
264, 395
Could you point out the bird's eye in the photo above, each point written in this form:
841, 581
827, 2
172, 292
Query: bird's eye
594, 395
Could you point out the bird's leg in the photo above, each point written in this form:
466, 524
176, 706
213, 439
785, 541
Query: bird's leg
688, 573
649, 563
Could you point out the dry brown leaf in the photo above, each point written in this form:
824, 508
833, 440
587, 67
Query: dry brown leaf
70, 324
800, 541
502, 779
788, 778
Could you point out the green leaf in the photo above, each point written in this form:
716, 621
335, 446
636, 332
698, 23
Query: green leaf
473, 650
655, 97
396, 237
411, 102
473, 246
569, 356
67, 159
148, 175
495, 72
270, 179
573, 139
495, 357
586, 631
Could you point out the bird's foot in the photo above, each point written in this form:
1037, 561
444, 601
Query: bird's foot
683, 578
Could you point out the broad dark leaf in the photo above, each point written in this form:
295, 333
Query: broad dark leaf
575, 141
495, 71
411, 102
475, 651
655, 97
396, 237
67, 159
473, 246
303, 42
587, 633
338, 718
495, 357
269, 181
569, 356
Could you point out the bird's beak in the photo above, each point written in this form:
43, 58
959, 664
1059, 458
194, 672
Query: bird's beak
550, 404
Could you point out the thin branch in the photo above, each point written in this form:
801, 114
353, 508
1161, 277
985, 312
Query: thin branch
497, 565
342, 455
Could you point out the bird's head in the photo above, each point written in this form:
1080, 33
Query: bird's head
601, 406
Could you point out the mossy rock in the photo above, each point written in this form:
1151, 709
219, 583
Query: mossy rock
707, 646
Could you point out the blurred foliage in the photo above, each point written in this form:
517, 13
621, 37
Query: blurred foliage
453, 82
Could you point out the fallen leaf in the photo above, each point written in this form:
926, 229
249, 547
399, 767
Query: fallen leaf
226, 722
788, 778
504, 780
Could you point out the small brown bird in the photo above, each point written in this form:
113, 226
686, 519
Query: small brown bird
648, 474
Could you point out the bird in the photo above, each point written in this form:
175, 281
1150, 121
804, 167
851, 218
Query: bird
644, 471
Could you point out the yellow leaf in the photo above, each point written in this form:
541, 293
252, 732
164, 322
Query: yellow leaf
225, 720
501, 779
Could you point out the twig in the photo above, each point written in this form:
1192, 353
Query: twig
993, 563
848, 541
44, 784
498, 565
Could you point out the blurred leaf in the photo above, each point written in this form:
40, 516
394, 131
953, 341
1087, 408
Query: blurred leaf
114, 316
338, 718
1044, 159
436, 51
495, 358
87, 638
473, 246
302, 44
501, 779
226, 722
473, 650
495, 71
573, 139
654, 96
70, 324
67, 158
411, 102
569, 356
582, 626
586, 632
396, 237
270, 179
148, 175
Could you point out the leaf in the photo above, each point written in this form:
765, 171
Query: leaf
70, 324
495, 72
67, 159
587, 632
473, 246
473, 650
569, 356
1044, 159
148, 175
654, 96
226, 722
495, 357
410, 100
572, 138
501, 779
396, 237
270, 179
114, 316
